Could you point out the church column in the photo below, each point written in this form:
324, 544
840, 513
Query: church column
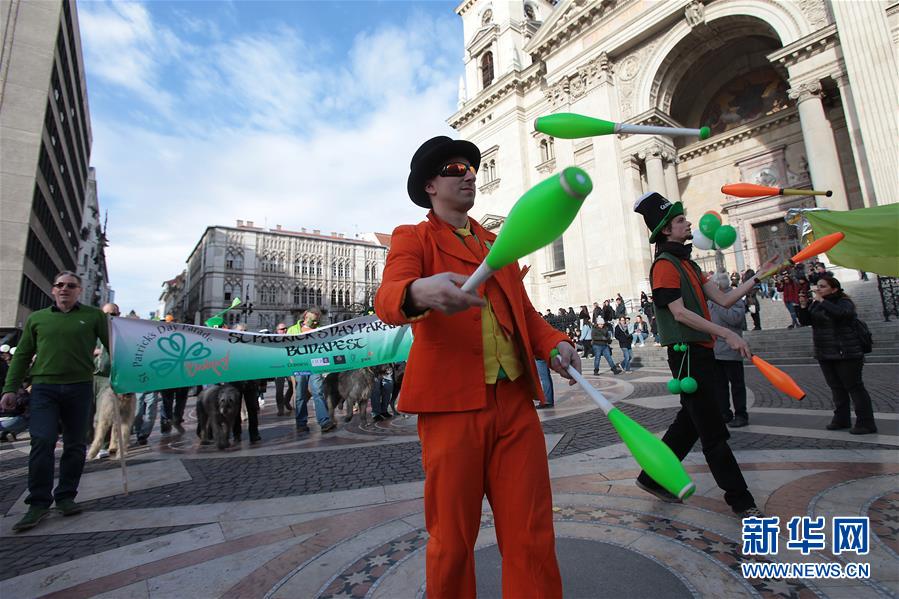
820, 147
855, 137
671, 183
655, 173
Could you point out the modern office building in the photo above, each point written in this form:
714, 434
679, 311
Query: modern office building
45, 144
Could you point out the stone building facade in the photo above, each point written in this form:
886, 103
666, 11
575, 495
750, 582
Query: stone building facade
45, 145
92, 249
280, 272
798, 93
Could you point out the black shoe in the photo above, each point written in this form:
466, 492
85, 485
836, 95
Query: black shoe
739, 421
616, 371
238, 438
330, 426
752, 512
728, 416
376, 418
165, 426
546, 406
659, 492
177, 425
141, 440
862, 430
595, 372
255, 439
68, 507
31, 518
302, 428
837, 426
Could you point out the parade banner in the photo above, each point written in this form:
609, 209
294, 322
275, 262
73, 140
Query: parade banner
151, 355
870, 243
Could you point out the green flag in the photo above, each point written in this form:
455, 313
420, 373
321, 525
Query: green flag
872, 237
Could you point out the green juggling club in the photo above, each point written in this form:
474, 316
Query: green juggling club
537, 219
216, 320
568, 125
650, 452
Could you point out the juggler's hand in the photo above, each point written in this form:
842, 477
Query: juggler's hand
567, 355
441, 292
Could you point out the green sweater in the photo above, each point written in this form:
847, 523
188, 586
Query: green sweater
64, 343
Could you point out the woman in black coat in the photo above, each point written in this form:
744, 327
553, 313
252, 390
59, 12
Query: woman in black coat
838, 349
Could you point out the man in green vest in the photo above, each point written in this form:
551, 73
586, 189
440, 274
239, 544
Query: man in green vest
680, 292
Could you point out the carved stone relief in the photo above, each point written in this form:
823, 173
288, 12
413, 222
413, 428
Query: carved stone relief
694, 13
627, 74
574, 86
816, 12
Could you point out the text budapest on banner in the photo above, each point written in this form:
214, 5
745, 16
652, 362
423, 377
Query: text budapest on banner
152, 355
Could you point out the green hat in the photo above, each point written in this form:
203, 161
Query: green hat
657, 212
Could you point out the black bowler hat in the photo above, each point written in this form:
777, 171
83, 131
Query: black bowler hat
657, 212
428, 159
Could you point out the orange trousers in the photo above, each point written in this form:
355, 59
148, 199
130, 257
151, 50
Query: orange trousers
499, 452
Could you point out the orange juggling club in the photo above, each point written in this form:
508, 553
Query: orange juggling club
819, 246
779, 378
750, 190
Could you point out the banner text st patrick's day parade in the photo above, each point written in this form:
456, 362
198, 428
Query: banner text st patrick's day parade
152, 355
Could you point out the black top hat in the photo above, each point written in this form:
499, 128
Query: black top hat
657, 212
428, 159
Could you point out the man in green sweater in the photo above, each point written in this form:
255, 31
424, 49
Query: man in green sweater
62, 339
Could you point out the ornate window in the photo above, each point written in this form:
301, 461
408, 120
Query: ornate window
487, 69
547, 149
333, 297
233, 260
557, 255
297, 296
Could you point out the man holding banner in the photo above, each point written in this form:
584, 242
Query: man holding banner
471, 378
313, 381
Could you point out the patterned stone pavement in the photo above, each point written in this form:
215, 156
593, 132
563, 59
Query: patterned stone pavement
340, 515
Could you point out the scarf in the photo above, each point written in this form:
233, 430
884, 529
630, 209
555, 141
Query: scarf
679, 250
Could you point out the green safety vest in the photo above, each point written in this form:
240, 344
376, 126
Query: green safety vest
671, 331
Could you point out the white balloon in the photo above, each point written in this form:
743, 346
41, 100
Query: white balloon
702, 242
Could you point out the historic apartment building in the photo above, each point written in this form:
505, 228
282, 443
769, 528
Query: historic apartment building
796, 92
280, 272
45, 143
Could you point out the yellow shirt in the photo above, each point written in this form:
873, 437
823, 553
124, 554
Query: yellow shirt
500, 356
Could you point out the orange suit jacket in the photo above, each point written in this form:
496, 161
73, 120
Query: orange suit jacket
445, 370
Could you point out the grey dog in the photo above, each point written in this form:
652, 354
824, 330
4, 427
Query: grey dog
351, 387
217, 408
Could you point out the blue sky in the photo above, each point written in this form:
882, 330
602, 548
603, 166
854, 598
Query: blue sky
303, 114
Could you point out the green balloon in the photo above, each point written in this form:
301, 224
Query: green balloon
674, 386
709, 224
725, 236
540, 216
704, 133
568, 125
688, 385
656, 458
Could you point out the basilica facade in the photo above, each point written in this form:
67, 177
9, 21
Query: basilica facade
797, 93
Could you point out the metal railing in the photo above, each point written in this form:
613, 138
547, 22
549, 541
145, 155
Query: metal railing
889, 296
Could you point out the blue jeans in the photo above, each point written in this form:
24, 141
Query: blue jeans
599, 350
791, 308
638, 337
316, 382
381, 392
13, 424
145, 415
546, 382
628, 356
52, 405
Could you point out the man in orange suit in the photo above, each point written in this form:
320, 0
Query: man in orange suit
471, 378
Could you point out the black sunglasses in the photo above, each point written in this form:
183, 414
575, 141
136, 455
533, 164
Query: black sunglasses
457, 169
62, 285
